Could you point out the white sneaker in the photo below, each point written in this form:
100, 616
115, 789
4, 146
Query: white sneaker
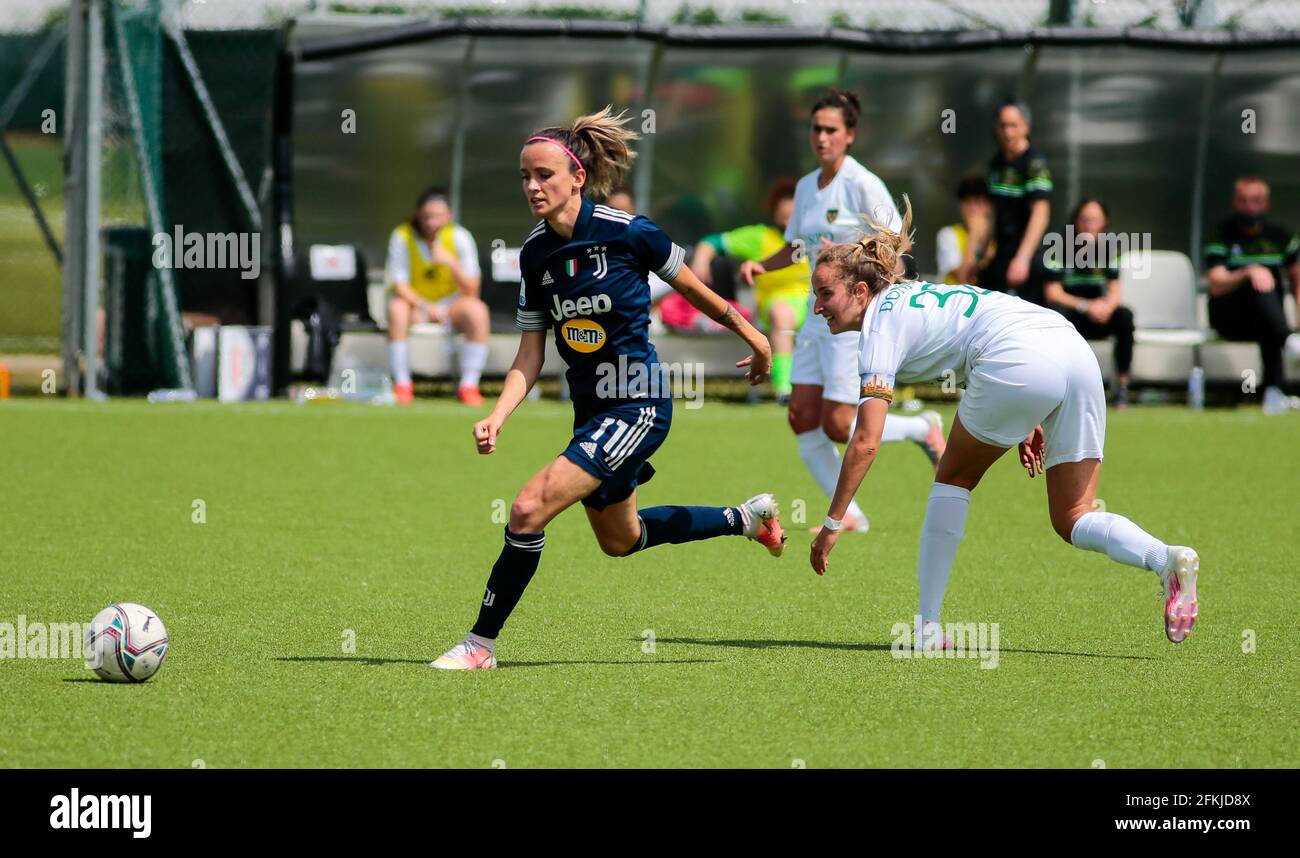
466, 655
759, 521
929, 637
933, 443
1178, 589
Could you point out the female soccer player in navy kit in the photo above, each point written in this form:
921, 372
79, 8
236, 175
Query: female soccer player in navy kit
585, 272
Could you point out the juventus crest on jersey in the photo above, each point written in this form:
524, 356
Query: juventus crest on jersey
592, 289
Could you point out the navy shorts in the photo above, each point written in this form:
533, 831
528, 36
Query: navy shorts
614, 441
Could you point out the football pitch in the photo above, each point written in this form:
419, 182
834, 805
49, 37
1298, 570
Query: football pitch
310, 560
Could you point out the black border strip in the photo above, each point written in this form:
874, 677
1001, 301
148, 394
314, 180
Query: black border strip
376, 38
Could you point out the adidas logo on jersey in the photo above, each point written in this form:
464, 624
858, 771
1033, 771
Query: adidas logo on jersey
547, 279
589, 448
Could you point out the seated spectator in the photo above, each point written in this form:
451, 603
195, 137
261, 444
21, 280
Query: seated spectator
433, 275
782, 295
1245, 258
1089, 294
963, 248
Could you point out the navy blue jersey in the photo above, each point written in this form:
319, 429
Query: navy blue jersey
592, 289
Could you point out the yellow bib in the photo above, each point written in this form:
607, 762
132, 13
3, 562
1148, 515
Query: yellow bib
962, 238
430, 281
793, 281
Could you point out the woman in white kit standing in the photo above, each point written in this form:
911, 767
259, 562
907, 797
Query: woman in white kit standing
1031, 380
829, 206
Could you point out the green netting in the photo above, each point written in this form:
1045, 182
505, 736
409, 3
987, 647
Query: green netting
140, 301
30, 289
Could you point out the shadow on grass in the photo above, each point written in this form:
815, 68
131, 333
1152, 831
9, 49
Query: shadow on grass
360, 659
355, 659
867, 647
644, 661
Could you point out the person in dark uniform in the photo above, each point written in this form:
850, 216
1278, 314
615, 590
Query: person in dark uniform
1244, 261
585, 269
1089, 294
1020, 186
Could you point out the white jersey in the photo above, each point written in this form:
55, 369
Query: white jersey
916, 332
948, 251
836, 211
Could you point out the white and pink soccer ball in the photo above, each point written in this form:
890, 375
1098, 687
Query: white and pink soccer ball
126, 642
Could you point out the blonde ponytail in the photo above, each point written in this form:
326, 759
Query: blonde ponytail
599, 141
876, 258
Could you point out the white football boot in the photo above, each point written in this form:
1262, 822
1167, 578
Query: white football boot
1178, 589
760, 522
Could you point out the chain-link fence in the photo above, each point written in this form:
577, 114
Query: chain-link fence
31, 190
196, 107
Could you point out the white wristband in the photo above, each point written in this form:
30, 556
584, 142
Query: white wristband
832, 525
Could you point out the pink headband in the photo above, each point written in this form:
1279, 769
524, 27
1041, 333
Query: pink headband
557, 143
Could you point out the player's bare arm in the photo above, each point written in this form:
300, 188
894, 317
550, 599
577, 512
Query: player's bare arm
711, 304
859, 455
520, 378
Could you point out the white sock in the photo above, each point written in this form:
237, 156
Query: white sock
489, 643
472, 358
1119, 539
900, 428
822, 458
399, 356
945, 522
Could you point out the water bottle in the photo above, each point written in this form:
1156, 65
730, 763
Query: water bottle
1196, 388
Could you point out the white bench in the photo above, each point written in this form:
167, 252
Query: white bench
433, 354
1169, 311
1173, 332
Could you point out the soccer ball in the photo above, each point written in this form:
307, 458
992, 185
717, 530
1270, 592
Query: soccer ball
126, 642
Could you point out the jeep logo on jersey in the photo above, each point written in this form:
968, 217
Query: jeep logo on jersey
597, 252
584, 306
583, 335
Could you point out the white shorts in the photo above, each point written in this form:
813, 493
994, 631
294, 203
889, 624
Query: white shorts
659, 288
421, 317
826, 359
443, 304
1044, 375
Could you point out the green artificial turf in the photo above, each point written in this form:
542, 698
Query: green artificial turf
331, 523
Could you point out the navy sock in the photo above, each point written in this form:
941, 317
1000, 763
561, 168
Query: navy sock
678, 524
510, 576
